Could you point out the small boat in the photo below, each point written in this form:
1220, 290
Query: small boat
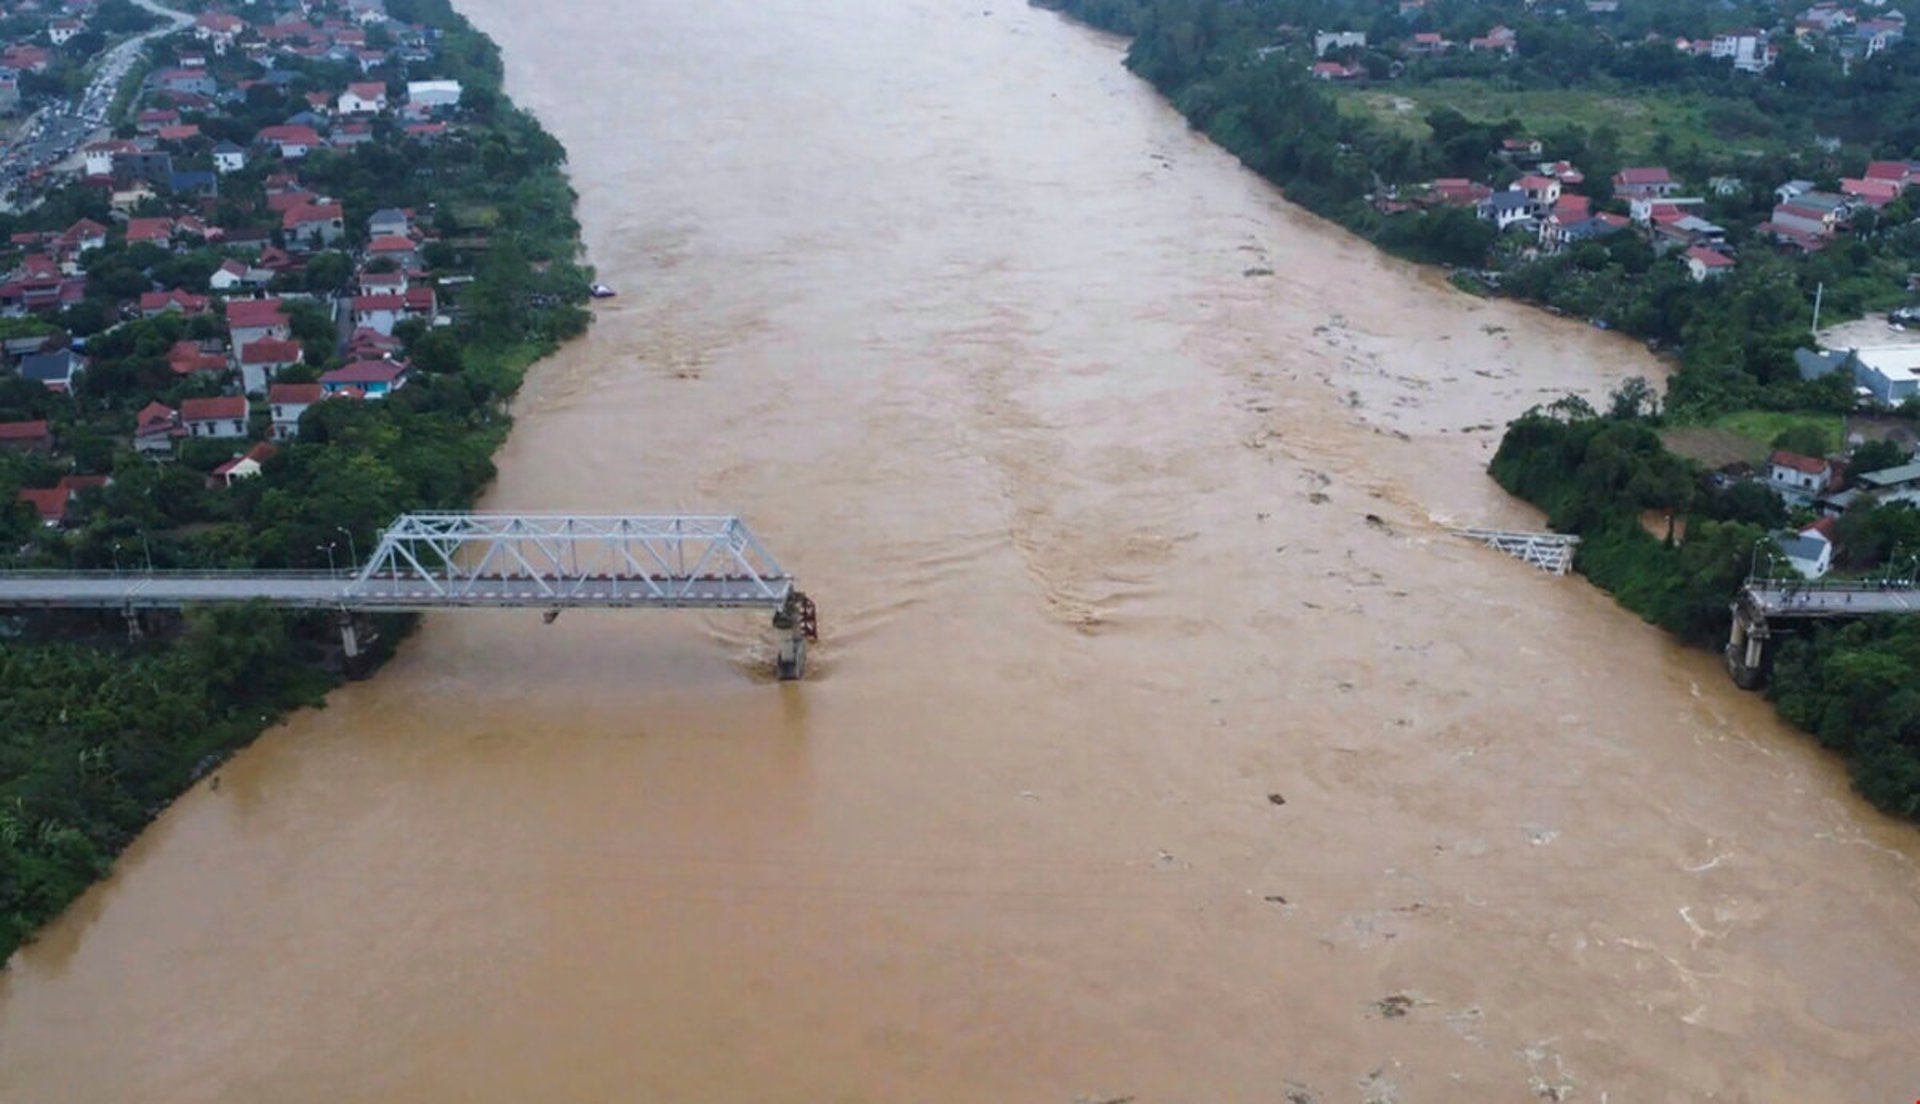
602, 291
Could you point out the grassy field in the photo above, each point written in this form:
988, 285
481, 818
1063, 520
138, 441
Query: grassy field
1762, 426
1746, 436
1636, 117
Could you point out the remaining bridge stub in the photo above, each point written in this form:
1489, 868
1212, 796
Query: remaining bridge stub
434, 561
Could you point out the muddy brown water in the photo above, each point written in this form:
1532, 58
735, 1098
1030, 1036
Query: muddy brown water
961, 317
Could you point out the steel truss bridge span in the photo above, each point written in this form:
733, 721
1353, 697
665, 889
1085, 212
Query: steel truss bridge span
436, 561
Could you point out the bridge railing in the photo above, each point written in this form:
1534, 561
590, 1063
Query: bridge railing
1828, 586
344, 574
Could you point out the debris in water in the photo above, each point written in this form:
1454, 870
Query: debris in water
1258, 272
1394, 1006
1276, 799
1378, 1089
1301, 1094
1274, 899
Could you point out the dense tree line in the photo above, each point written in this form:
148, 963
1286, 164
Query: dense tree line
99, 733
1674, 546
1238, 71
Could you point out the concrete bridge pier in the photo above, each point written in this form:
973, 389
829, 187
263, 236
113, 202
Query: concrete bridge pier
357, 638
798, 623
1747, 648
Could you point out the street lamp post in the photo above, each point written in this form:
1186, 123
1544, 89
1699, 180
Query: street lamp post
328, 549
352, 549
1753, 562
116, 557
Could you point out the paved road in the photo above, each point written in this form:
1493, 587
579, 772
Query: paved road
53, 134
108, 590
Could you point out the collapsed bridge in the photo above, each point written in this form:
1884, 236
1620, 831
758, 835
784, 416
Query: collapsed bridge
435, 561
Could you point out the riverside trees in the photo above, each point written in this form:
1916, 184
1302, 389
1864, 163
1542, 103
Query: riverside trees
96, 734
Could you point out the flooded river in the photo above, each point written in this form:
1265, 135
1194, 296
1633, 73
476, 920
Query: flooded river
1161, 746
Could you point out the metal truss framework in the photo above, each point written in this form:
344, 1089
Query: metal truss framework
1547, 551
426, 562
568, 560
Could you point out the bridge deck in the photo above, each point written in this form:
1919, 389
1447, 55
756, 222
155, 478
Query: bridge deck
1831, 601
109, 590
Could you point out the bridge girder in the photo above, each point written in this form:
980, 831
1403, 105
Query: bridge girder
569, 559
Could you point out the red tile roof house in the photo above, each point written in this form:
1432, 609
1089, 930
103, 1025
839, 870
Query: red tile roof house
49, 502
1644, 183
1895, 172
249, 320
401, 251
314, 225
374, 378
1874, 193
26, 437
231, 275
154, 231
150, 122
155, 429
264, 359
383, 283
293, 140
221, 417
282, 202
364, 98
379, 313
156, 303
368, 344
242, 467
55, 504
187, 357
80, 237
1704, 264
1797, 476
1458, 191
288, 401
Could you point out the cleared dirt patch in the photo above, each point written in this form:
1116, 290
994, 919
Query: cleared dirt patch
1714, 448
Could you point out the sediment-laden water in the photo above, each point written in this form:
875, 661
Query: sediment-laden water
1122, 487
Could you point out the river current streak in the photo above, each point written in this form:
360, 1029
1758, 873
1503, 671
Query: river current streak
1123, 488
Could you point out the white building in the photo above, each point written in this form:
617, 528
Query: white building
1890, 374
1808, 551
432, 95
1337, 40
228, 158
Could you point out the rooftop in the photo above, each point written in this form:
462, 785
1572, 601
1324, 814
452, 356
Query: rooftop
1891, 477
1896, 362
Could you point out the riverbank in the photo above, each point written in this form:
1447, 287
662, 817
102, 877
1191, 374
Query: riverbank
103, 733
1684, 589
1240, 73
1598, 477
966, 333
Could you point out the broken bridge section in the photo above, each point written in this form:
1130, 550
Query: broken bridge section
435, 561
1550, 552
